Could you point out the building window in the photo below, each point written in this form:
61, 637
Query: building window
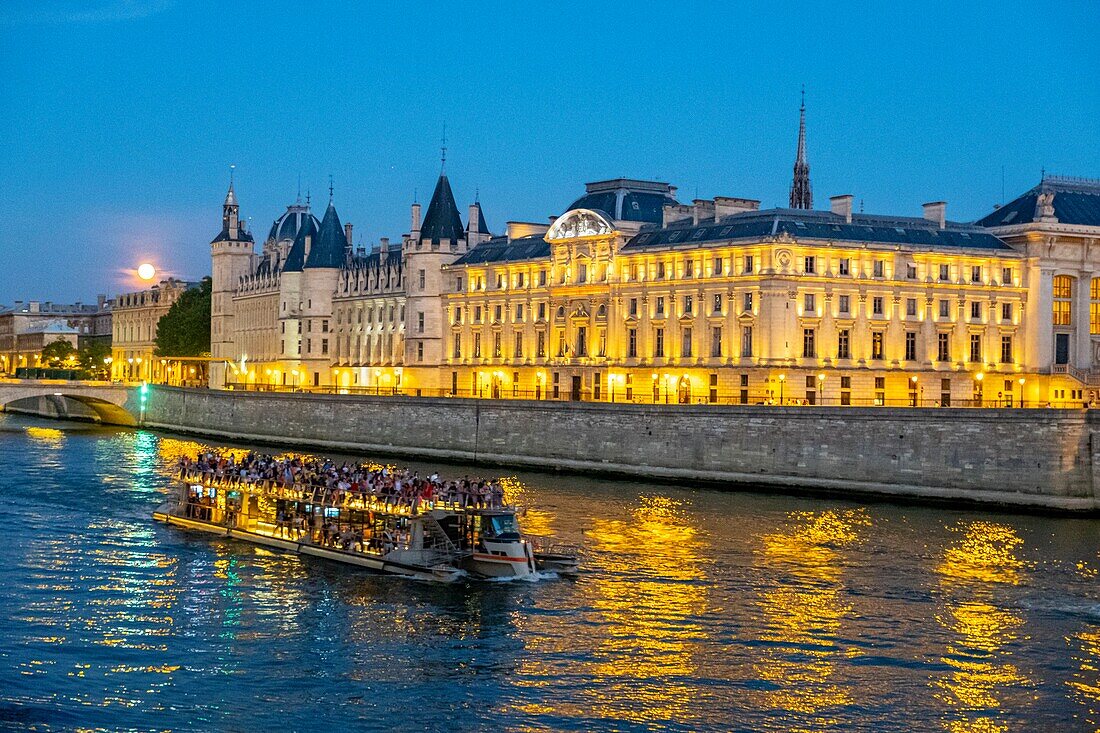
660, 270
517, 350
945, 309
1094, 305
748, 264
521, 279
420, 351
746, 341
976, 274
542, 311
845, 266
540, 344
1006, 276
809, 349
685, 342
844, 304
634, 306
910, 345
1006, 312
843, 345
880, 391
660, 305
876, 305
477, 345
975, 311
878, 268
717, 271
420, 323
911, 271
911, 306
809, 304
945, 273
659, 343
582, 273
689, 305
975, 348
717, 302
845, 390
632, 343
689, 268
943, 347
876, 344
747, 302
601, 341
561, 343
716, 341
422, 276
497, 313
496, 344
457, 350
324, 346
1006, 349
1063, 293
811, 264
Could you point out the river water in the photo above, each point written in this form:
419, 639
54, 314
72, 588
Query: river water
697, 610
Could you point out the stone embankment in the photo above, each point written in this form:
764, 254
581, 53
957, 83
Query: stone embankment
1038, 459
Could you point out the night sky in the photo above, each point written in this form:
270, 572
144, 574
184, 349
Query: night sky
119, 120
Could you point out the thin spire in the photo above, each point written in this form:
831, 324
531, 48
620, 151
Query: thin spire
230, 195
307, 198
443, 152
801, 193
298, 200
477, 195
330, 188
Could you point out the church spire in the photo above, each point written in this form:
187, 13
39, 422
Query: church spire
801, 194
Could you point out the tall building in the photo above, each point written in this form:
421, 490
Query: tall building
630, 294
134, 334
28, 326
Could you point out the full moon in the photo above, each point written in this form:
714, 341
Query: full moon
146, 271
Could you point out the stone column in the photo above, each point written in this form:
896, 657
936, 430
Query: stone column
1039, 319
1081, 322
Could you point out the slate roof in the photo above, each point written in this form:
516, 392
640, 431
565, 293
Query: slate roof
1076, 201
627, 201
286, 226
296, 256
482, 227
499, 249
330, 247
223, 236
819, 225
442, 220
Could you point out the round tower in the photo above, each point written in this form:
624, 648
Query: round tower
231, 255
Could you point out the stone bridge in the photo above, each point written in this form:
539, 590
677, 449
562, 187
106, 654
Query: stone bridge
113, 404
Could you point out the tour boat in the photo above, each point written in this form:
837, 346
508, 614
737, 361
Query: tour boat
436, 541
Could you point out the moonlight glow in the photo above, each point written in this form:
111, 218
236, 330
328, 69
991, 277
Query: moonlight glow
146, 271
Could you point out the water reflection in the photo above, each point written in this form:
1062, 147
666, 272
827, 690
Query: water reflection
803, 610
649, 596
981, 677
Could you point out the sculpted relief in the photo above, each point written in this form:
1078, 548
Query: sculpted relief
579, 223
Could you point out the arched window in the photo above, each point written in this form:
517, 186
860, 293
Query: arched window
1094, 306
1063, 295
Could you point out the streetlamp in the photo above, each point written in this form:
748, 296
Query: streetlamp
821, 386
782, 379
913, 391
1021, 381
978, 378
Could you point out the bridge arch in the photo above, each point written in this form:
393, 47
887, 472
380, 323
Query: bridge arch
111, 404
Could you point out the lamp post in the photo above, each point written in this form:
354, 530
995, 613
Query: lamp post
1021, 381
913, 391
782, 379
821, 387
979, 377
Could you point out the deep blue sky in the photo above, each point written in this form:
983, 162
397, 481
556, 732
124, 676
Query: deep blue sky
119, 119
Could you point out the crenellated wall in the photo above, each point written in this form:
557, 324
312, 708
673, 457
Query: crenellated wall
1025, 458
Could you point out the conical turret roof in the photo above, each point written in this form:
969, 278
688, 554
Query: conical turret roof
330, 246
442, 220
296, 256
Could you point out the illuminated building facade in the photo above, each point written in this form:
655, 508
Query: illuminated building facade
134, 331
29, 326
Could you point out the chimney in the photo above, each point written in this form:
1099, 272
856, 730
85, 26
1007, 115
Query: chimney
675, 212
727, 206
347, 232
842, 206
472, 222
415, 219
701, 210
936, 211
384, 247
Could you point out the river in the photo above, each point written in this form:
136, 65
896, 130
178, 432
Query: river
697, 610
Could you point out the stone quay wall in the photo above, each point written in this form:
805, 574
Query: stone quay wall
1037, 458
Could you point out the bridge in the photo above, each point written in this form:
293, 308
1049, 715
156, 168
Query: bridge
113, 404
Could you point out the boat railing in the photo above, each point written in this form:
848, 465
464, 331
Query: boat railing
551, 545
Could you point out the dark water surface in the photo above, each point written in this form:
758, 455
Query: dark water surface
699, 610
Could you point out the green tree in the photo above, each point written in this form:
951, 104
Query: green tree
92, 355
185, 329
57, 352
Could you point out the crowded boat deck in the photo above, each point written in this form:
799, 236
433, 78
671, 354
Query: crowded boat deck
378, 517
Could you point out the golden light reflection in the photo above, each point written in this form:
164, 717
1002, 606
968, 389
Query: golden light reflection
50, 436
803, 616
981, 674
649, 591
1086, 680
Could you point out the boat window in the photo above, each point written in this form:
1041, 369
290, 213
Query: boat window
500, 526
